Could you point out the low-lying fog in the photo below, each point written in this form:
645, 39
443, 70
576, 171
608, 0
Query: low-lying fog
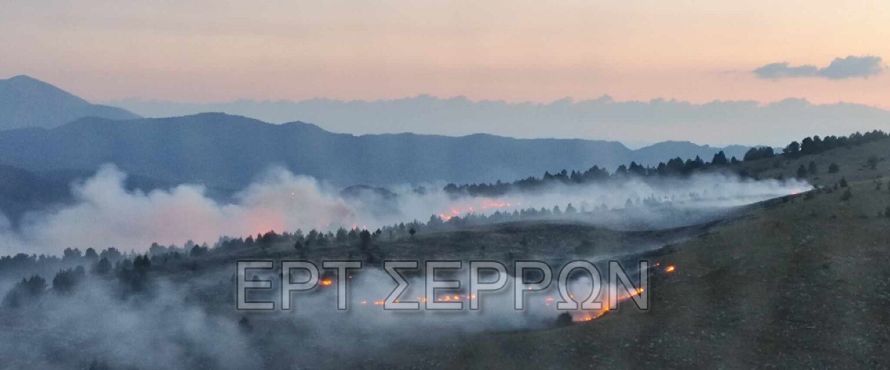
106, 214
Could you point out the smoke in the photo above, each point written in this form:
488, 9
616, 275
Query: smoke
94, 324
105, 213
176, 325
187, 319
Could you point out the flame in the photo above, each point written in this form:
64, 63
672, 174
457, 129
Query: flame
326, 282
670, 268
483, 205
582, 316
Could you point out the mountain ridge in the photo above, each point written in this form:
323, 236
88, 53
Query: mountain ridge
28, 102
228, 151
636, 122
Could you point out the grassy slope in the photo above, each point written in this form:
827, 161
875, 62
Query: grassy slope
852, 161
803, 283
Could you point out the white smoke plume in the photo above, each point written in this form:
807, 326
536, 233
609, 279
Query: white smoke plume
182, 325
106, 214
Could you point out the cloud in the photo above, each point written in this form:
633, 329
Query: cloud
840, 68
785, 70
851, 66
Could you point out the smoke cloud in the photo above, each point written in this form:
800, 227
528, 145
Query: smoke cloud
176, 327
106, 214
181, 324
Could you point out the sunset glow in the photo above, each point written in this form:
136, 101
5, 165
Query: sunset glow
206, 51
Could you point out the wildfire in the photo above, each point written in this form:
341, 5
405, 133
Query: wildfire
582, 316
589, 316
452, 213
670, 269
482, 206
326, 282
495, 204
452, 298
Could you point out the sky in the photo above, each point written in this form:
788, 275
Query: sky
538, 51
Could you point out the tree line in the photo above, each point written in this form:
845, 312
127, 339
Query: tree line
673, 167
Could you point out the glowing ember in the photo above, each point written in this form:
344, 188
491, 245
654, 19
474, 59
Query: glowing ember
483, 206
582, 316
589, 316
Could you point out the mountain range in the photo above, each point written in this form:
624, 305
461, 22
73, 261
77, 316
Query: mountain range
57, 131
637, 123
227, 152
50, 138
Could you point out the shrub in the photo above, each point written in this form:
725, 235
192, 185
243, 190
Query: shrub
102, 267
847, 195
66, 280
564, 319
872, 162
833, 168
244, 324
758, 153
25, 291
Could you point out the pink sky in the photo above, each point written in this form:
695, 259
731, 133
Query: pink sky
200, 51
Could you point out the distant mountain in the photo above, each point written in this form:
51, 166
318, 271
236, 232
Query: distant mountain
28, 102
684, 149
226, 152
22, 191
632, 122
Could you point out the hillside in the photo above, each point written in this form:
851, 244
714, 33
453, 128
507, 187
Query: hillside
227, 151
28, 102
799, 282
852, 161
